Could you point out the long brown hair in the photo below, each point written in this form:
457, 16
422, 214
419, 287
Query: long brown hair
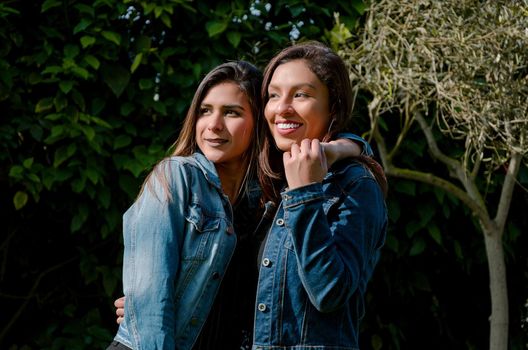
249, 80
331, 71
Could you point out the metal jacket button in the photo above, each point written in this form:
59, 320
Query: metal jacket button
280, 222
266, 262
261, 307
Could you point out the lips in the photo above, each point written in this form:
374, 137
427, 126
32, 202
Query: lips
285, 128
288, 125
215, 141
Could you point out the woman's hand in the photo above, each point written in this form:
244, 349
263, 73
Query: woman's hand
120, 309
340, 149
305, 163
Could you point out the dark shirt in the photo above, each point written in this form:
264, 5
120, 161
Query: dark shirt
229, 325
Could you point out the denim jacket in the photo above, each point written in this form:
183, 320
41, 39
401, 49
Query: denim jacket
173, 264
319, 254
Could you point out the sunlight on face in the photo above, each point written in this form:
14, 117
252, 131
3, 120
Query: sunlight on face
225, 124
298, 105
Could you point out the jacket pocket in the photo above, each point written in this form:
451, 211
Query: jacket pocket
202, 222
200, 232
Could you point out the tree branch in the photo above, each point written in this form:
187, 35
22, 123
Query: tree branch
478, 210
454, 166
507, 190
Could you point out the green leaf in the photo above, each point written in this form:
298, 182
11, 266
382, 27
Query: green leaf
71, 51
392, 243
78, 186
137, 62
92, 61
63, 153
81, 72
359, 6
60, 102
20, 200
76, 223
116, 77
234, 38
100, 122
44, 105
16, 171
166, 20
66, 86
158, 10
122, 141
126, 108
27, 163
92, 175
52, 69
49, 4
143, 43
88, 131
418, 247
109, 283
435, 233
296, 10
145, 84
104, 195
82, 25
87, 41
215, 27
376, 342
112, 36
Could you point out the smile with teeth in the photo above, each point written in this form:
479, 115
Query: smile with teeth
288, 125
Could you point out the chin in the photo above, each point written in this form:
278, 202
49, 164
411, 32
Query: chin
285, 144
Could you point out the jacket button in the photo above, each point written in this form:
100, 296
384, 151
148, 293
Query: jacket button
216, 275
280, 222
266, 262
194, 321
261, 307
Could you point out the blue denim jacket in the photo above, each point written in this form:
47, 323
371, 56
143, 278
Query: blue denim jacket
173, 263
318, 257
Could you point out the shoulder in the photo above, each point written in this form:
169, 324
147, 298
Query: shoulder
178, 171
350, 169
181, 164
352, 172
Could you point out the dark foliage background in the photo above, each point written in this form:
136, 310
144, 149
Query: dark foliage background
92, 93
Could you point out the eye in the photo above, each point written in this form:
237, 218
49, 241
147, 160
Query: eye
301, 94
231, 113
203, 111
272, 95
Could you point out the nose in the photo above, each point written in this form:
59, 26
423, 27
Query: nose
284, 107
215, 122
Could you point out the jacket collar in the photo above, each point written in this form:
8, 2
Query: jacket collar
208, 169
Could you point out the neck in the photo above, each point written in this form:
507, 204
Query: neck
231, 178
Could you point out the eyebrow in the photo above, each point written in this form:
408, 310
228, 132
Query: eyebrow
234, 106
312, 86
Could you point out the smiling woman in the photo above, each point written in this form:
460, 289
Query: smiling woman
297, 106
331, 222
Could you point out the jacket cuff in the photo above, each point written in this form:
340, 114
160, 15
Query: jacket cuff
301, 195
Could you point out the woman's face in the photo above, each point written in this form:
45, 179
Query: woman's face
225, 124
298, 105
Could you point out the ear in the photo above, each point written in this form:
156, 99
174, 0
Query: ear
326, 138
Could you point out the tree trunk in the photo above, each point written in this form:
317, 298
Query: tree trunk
499, 318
